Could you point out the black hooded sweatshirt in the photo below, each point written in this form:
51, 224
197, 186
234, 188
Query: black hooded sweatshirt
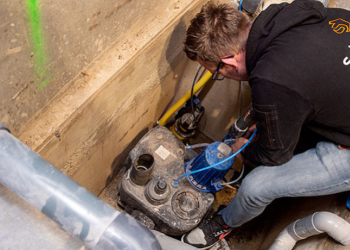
298, 59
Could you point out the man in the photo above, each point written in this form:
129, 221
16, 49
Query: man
297, 60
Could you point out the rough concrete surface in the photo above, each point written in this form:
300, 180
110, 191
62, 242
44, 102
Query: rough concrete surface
46, 44
120, 94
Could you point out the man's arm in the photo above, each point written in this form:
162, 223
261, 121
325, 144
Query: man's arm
280, 113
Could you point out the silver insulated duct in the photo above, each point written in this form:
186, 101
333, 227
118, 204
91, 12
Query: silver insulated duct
71, 206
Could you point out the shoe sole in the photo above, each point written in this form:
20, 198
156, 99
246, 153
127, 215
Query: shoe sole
204, 248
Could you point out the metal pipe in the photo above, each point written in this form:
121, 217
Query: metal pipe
319, 222
70, 205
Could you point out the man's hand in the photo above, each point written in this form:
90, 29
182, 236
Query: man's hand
237, 146
250, 131
239, 142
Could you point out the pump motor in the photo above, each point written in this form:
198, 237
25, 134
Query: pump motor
187, 119
210, 180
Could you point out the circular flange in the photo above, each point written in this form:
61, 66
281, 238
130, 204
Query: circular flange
185, 204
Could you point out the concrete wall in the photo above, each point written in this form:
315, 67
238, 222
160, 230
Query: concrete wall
47, 44
80, 79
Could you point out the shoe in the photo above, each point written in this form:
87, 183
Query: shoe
207, 233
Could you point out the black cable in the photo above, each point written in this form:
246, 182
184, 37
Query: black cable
194, 82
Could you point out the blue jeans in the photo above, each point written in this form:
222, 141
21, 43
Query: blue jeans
319, 171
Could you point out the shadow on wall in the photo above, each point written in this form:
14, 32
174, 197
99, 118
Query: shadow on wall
174, 55
168, 71
119, 161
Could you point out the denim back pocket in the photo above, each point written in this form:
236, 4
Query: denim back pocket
268, 121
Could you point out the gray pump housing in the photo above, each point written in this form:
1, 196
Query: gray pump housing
147, 186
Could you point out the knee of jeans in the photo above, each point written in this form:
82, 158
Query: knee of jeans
254, 191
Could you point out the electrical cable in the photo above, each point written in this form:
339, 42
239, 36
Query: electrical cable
239, 115
240, 100
205, 78
176, 182
234, 181
194, 82
241, 92
192, 107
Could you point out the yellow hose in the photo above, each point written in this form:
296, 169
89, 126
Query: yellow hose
176, 106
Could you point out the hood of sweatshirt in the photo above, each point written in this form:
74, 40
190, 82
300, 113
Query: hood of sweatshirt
277, 19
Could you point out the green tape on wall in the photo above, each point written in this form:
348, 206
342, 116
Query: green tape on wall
38, 42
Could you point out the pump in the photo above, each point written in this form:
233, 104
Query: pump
187, 118
147, 189
207, 170
153, 190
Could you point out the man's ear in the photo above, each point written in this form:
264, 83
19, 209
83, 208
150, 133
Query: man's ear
230, 61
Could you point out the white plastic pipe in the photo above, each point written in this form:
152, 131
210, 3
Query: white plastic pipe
319, 222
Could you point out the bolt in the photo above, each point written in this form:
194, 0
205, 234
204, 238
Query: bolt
159, 136
180, 151
161, 185
58, 135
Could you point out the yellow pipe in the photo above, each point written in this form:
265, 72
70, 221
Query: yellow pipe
176, 106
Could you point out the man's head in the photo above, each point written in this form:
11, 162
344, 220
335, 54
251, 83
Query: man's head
216, 34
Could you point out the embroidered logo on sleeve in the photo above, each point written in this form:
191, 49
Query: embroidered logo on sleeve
340, 26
